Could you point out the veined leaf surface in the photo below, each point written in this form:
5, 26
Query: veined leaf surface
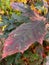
23, 37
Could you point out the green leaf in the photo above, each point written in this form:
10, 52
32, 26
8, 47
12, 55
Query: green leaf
17, 58
15, 16
11, 21
2, 36
0, 3
10, 59
20, 18
38, 5
2, 24
10, 27
8, 3
47, 36
18, 23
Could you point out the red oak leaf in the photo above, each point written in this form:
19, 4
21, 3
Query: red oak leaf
23, 37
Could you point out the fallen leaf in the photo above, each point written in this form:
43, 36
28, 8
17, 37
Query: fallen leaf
22, 37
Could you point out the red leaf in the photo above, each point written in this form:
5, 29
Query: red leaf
47, 47
22, 37
44, 55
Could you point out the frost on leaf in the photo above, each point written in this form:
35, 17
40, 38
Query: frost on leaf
23, 37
